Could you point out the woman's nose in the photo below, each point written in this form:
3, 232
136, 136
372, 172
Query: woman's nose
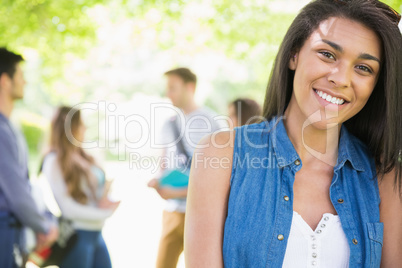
341, 76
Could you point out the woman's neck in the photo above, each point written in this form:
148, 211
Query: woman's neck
312, 143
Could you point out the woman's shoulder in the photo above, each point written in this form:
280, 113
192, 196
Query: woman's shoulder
224, 142
220, 141
212, 159
50, 157
255, 135
263, 125
49, 162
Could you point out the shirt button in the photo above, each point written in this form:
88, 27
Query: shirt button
280, 237
319, 232
322, 225
354, 241
314, 246
314, 263
297, 162
286, 198
340, 200
326, 218
314, 255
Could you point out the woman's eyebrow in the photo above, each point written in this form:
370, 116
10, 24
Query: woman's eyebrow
333, 45
364, 56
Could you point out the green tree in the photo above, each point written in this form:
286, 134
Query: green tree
52, 28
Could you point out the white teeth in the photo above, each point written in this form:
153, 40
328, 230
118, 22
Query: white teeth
329, 98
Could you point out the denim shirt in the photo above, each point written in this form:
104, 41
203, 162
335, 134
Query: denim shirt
260, 206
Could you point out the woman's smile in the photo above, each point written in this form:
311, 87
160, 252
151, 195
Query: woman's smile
329, 100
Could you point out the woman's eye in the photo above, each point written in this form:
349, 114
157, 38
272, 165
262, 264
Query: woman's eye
328, 55
364, 69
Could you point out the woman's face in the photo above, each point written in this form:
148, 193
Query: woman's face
335, 72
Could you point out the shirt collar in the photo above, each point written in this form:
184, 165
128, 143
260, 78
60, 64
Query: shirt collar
286, 153
283, 147
347, 151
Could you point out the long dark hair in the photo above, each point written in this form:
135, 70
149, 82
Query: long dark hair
379, 123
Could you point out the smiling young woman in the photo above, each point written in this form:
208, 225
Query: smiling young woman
341, 59
333, 131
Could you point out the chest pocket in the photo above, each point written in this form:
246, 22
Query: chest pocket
375, 232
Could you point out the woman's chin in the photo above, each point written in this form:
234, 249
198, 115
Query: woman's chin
323, 124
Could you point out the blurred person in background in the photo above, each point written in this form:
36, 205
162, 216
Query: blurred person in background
244, 111
17, 206
198, 121
80, 190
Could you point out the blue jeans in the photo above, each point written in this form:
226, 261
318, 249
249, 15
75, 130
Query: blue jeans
11, 239
90, 251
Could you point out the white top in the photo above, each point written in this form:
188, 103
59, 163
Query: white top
85, 217
327, 246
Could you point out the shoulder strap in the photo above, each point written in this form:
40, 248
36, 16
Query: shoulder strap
180, 145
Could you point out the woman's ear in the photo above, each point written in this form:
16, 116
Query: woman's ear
293, 62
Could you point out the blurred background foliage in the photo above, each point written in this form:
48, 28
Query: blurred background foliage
52, 28
117, 50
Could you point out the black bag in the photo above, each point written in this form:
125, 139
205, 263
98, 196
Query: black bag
66, 241
59, 250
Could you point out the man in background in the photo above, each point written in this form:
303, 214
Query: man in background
198, 121
17, 207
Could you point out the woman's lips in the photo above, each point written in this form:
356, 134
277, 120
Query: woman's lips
328, 101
